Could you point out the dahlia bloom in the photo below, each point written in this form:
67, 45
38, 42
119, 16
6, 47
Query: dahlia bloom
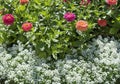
69, 16
27, 26
102, 22
8, 19
111, 2
82, 25
22, 2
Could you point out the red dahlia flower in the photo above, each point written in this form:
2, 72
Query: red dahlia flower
8, 19
111, 2
22, 2
102, 22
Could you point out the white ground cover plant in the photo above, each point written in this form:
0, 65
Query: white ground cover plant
100, 64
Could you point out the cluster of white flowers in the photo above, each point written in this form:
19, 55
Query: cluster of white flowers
105, 54
16, 64
100, 63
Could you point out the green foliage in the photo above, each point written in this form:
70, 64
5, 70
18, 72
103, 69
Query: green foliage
51, 35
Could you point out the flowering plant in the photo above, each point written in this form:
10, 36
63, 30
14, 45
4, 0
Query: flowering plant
30, 29
54, 27
20, 65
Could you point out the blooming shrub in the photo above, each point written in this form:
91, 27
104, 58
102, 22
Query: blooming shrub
19, 65
51, 34
49, 29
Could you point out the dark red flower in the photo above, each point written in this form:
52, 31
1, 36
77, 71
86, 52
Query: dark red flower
8, 19
102, 22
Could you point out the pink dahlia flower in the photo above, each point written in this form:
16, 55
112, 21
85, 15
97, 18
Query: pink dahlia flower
69, 16
111, 2
8, 19
27, 26
82, 25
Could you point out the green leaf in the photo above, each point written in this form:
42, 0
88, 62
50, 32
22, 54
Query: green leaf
115, 27
42, 54
22, 7
114, 30
54, 56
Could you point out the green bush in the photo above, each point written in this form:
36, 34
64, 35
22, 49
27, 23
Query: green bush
51, 34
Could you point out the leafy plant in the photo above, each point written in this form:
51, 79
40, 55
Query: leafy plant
51, 34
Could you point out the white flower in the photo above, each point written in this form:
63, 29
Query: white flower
100, 63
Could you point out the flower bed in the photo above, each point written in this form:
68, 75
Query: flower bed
100, 63
59, 42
